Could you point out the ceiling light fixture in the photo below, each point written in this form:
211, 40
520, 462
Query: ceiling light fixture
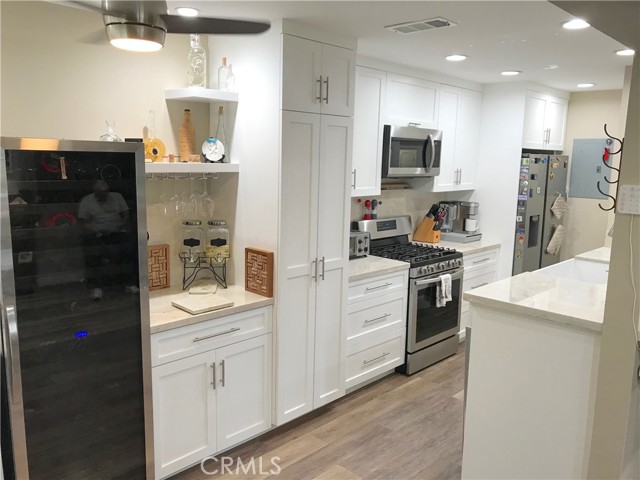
135, 37
456, 58
510, 73
585, 85
187, 11
627, 52
575, 24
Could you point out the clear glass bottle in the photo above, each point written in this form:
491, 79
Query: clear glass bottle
192, 241
110, 136
218, 241
197, 71
221, 135
226, 79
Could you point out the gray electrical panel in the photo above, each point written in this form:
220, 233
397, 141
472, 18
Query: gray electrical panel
587, 168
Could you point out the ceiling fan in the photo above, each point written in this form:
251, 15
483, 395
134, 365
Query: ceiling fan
142, 25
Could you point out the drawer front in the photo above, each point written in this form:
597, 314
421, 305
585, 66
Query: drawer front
373, 288
373, 316
480, 259
385, 353
478, 278
183, 342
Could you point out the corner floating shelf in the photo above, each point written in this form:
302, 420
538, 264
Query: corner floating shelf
211, 168
202, 95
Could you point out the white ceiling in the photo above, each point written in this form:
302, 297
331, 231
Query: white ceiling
498, 35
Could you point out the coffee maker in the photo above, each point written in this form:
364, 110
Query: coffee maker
461, 222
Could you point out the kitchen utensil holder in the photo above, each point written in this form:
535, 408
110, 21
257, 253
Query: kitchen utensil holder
426, 233
190, 269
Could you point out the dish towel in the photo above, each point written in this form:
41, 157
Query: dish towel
559, 207
556, 240
443, 291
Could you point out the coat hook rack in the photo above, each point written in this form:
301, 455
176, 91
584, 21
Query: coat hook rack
605, 157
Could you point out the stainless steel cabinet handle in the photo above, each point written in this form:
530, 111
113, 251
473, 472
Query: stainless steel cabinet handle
222, 371
213, 367
319, 82
367, 362
481, 261
353, 174
414, 124
12, 350
478, 286
326, 98
199, 339
315, 269
460, 177
322, 275
379, 286
377, 318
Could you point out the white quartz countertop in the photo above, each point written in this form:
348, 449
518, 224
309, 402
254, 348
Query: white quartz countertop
552, 295
470, 248
165, 316
601, 255
370, 266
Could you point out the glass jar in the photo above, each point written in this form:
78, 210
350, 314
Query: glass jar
192, 241
218, 241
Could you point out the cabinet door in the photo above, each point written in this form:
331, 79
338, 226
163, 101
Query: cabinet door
296, 265
468, 138
243, 390
333, 252
371, 91
446, 181
534, 114
183, 413
411, 100
555, 121
338, 78
301, 67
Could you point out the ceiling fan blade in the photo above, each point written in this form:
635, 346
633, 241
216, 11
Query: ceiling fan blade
204, 26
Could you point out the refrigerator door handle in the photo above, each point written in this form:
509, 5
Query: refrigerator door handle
13, 369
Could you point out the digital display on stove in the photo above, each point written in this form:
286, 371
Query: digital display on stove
385, 225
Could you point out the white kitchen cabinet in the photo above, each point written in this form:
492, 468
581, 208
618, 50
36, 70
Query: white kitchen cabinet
317, 78
479, 269
376, 327
371, 91
459, 119
316, 161
544, 121
218, 395
411, 101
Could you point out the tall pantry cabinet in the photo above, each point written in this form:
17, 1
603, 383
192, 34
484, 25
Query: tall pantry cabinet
311, 300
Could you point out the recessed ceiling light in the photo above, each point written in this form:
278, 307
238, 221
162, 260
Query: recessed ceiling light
510, 73
456, 58
575, 24
627, 52
187, 11
585, 85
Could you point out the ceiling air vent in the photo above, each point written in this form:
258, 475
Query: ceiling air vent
415, 27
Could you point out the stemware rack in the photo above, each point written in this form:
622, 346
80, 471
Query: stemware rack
191, 269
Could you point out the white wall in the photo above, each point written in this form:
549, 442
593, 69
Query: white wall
586, 224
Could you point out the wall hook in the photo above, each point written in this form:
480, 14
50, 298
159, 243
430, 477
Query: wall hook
606, 195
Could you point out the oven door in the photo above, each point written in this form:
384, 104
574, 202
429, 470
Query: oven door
428, 324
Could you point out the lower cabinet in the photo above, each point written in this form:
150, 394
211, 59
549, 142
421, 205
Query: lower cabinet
376, 327
479, 269
208, 402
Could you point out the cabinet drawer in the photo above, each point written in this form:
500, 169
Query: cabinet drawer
385, 353
480, 259
376, 315
186, 341
373, 288
475, 279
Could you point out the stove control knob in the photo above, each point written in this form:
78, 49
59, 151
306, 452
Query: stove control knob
458, 262
450, 264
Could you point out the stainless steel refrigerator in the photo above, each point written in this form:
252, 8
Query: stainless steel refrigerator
76, 389
543, 178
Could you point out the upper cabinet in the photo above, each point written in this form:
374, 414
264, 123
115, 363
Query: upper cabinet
411, 101
317, 78
371, 88
544, 122
459, 120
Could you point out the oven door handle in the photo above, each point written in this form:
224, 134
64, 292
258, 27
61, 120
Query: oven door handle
431, 281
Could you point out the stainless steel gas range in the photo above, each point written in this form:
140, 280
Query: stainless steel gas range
432, 331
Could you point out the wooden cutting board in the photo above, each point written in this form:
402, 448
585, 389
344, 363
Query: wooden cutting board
196, 304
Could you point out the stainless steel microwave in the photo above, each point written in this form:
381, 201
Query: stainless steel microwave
410, 152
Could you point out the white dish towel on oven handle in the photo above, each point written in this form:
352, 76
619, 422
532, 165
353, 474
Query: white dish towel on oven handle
443, 290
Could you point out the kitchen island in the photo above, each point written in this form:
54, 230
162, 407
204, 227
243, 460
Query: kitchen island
533, 362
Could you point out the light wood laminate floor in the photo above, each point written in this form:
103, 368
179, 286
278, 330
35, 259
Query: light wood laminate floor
398, 428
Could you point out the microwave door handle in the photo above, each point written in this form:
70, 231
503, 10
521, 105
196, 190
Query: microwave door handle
424, 153
433, 151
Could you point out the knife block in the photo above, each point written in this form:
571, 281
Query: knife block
426, 233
